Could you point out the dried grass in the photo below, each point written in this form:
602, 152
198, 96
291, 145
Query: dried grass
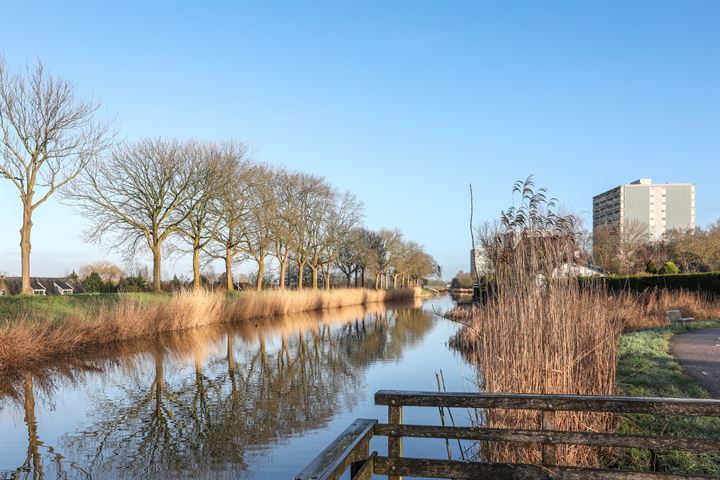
36, 338
647, 309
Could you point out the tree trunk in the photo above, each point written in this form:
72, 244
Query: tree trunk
301, 272
314, 275
378, 279
25, 249
327, 277
362, 278
261, 272
157, 257
283, 269
197, 284
395, 279
347, 276
228, 271
356, 277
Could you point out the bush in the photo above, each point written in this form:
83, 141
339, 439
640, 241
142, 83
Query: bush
133, 284
669, 268
650, 267
93, 283
704, 282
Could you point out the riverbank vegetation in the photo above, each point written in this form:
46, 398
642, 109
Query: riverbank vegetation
540, 330
646, 368
34, 332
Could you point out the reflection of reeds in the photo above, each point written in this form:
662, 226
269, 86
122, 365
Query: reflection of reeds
35, 339
185, 346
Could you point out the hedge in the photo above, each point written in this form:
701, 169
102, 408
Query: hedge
707, 282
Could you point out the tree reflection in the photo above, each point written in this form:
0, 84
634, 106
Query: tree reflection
181, 411
36, 465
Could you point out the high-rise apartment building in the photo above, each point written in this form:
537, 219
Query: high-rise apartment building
658, 208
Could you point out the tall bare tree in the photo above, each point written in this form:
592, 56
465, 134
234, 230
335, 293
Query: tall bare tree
261, 229
201, 224
345, 213
48, 137
233, 206
140, 195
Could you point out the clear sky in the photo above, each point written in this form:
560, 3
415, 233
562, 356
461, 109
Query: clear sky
401, 103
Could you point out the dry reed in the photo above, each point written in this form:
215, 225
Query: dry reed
647, 309
540, 331
34, 338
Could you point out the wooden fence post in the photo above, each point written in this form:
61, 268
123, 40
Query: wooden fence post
394, 443
361, 454
549, 450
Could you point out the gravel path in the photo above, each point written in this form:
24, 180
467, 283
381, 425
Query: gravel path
698, 352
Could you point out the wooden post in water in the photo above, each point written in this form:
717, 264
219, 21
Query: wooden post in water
394, 443
549, 450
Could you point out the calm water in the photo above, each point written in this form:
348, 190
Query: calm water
247, 401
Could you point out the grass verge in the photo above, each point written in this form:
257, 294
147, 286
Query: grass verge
646, 368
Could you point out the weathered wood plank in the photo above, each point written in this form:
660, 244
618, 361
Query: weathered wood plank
549, 450
365, 472
347, 448
664, 443
395, 443
584, 403
504, 471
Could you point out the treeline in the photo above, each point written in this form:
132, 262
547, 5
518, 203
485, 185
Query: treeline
204, 198
628, 251
209, 200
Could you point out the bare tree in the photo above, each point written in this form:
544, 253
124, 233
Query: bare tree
108, 271
309, 195
345, 213
286, 186
48, 136
140, 195
201, 225
261, 228
233, 207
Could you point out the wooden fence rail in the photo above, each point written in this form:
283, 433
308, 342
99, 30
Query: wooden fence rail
351, 448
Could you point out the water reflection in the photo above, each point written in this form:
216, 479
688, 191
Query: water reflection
204, 402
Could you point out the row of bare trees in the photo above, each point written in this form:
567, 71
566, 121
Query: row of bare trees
210, 200
204, 198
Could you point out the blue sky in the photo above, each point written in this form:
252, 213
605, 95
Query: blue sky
401, 103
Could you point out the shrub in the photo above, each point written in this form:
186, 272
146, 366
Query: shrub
650, 267
133, 284
702, 282
93, 283
669, 268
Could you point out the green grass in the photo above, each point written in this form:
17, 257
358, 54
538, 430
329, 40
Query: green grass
59, 306
646, 368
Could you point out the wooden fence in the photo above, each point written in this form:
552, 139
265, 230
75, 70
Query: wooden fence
352, 448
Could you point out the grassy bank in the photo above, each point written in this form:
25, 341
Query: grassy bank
34, 330
646, 368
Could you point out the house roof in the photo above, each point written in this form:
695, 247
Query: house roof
13, 285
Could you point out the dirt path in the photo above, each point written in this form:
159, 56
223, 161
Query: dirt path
698, 352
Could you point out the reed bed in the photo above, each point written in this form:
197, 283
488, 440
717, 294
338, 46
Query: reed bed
554, 340
34, 337
647, 309
539, 330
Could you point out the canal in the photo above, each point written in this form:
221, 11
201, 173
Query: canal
256, 400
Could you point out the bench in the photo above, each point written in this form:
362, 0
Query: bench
675, 317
